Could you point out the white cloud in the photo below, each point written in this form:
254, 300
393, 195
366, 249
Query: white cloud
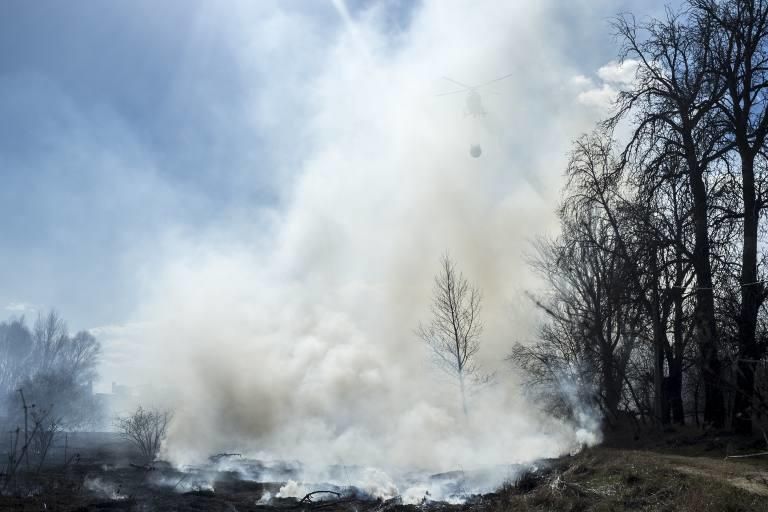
621, 73
601, 97
581, 82
614, 77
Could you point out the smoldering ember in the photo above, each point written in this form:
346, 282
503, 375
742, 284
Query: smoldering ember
384, 255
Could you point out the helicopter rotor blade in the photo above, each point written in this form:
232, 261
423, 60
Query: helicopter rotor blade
494, 80
465, 86
450, 93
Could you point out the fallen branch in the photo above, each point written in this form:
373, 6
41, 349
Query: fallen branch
746, 455
308, 497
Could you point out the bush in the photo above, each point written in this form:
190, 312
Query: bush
146, 429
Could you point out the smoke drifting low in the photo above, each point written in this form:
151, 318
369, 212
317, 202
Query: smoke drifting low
290, 334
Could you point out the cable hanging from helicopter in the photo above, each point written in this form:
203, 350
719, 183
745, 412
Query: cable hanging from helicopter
474, 104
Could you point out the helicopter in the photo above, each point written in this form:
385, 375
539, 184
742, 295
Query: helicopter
474, 104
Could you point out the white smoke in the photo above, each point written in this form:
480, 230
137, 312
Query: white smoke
290, 332
103, 488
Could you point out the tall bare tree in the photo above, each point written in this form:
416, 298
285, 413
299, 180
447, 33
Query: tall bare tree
673, 107
739, 46
677, 212
455, 329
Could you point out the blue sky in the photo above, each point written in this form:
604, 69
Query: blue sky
123, 120
101, 145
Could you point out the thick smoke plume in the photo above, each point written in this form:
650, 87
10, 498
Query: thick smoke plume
289, 333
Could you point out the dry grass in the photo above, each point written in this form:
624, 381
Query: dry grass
618, 480
601, 479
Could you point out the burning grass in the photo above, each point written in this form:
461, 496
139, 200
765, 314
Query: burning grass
594, 480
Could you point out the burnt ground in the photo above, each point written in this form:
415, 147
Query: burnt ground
678, 471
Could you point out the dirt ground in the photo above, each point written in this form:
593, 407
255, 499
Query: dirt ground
681, 472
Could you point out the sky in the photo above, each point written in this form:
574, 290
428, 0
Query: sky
211, 182
123, 120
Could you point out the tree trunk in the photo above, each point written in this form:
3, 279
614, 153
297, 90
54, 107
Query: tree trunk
660, 399
751, 293
675, 389
610, 385
706, 327
660, 404
675, 394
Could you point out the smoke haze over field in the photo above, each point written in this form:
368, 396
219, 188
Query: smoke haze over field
301, 342
281, 319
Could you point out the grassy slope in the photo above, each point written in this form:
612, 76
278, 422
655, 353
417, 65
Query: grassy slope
603, 479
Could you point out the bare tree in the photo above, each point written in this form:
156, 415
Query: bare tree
591, 321
739, 45
52, 367
146, 429
14, 456
79, 357
15, 346
673, 109
668, 231
50, 337
455, 329
45, 429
